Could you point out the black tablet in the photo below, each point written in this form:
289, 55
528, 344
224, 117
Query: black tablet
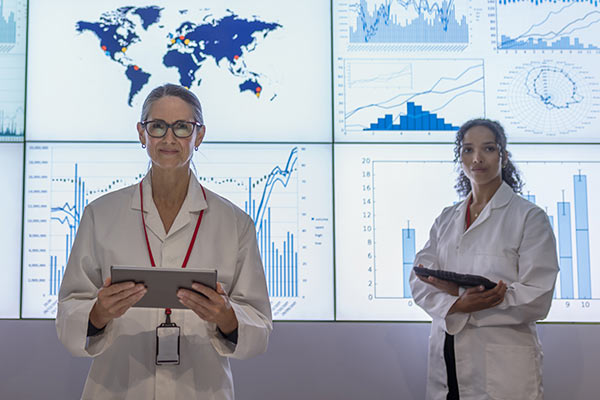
163, 283
464, 280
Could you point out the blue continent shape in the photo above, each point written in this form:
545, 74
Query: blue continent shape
226, 38
117, 32
185, 64
149, 15
251, 85
111, 41
138, 79
229, 36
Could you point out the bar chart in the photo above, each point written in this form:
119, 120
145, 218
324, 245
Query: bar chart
410, 21
569, 201
416, 119
269, 182
548, 25
399, 192
391, 196
418, 104
13, 27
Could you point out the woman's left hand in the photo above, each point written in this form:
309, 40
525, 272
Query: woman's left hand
446, 286
215, 307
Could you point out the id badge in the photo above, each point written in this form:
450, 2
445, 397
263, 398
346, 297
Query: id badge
167, 344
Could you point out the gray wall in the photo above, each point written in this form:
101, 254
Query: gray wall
306, 360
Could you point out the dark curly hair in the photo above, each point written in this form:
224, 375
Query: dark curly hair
510, 174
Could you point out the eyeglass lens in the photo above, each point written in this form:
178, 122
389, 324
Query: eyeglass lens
159, 128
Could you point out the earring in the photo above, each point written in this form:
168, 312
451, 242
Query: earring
196, 148
143, 146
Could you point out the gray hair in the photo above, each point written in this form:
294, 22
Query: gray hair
170, 89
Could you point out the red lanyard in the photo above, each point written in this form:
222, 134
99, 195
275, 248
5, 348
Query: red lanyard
189, 251
468, 217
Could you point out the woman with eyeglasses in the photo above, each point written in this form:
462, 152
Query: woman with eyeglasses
169, 221
483, 343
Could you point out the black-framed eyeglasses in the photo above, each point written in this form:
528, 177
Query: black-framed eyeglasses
158, 128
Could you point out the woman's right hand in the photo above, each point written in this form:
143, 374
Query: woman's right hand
477, 299
114, 300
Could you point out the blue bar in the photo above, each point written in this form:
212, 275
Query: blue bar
296, 274
410, 114
271, 254
530, 197
565, 250
289, 266
286, 256
582, 237
388, 121
56, 279
265, 254
51, 269
418, 118
403, 122
277, 264
250, 198
294, 268
408, 257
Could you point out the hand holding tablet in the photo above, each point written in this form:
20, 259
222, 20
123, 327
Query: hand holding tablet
464, 280
163, 283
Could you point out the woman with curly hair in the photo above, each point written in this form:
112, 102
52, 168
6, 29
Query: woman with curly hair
484, 343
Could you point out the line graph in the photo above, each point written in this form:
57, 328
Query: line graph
563, 25
419, 104
409, 22
270, 182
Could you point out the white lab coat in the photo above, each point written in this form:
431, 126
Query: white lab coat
498, 354
111, 233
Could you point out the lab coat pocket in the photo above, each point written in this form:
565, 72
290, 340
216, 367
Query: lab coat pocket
512, 372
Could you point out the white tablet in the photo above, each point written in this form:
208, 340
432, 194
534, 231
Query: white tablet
163, 283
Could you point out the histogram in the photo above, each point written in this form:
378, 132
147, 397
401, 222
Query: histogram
416, 119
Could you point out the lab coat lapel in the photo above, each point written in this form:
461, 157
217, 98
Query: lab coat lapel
151, 215
190, 209
498, 200
192, 205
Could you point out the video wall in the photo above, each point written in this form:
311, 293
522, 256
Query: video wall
330, 123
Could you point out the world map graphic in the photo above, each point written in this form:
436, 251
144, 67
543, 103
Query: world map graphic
226, 40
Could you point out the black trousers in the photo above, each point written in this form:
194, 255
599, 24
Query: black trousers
450, 368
